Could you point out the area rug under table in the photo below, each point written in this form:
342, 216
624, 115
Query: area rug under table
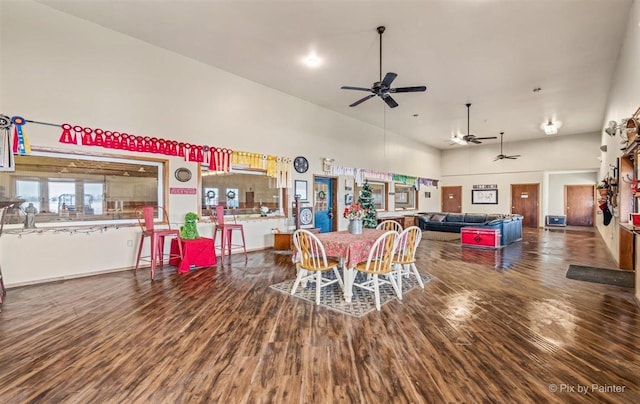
362, 302
605, 276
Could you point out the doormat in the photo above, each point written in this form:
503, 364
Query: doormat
362, 302
605, 276
440, 235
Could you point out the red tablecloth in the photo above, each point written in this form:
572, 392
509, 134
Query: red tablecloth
197, 252
352, 248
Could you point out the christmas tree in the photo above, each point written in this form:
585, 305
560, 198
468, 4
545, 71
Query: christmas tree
366, 201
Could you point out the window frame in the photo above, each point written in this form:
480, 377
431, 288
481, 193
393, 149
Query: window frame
283, 192
385, 194
412, 191
162, 189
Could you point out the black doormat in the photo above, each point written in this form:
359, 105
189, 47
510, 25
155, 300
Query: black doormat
614, 277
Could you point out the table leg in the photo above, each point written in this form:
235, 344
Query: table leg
348, 277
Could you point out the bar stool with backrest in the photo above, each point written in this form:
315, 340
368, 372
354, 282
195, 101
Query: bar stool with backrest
226, 234
404, 260
146, 217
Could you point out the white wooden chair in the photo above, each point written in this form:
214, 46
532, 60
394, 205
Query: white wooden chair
379, 265
312, 262
404, 260
389, 225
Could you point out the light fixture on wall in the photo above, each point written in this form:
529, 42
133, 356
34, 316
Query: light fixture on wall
550, 128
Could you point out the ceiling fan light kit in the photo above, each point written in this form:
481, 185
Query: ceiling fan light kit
382, 87
550, 128
458, 140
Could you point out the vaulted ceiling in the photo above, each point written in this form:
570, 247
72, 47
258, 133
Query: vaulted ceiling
492, 53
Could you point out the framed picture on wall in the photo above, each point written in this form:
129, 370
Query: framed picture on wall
300, 189
484, 196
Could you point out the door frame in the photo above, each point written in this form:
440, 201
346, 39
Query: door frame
334, 197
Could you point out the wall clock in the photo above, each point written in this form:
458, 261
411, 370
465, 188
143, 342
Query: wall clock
183, 174
306, 215
301, 164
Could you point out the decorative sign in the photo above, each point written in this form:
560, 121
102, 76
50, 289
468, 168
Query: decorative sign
182, 191
487, 186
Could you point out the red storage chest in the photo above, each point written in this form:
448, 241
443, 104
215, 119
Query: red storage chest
479, 237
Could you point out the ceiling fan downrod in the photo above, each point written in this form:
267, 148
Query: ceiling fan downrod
380, 30
468, 115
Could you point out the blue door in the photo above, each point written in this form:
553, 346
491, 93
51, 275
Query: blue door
323, 203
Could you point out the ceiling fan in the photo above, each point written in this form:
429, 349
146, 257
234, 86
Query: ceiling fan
382, 87
502, 156
468, 138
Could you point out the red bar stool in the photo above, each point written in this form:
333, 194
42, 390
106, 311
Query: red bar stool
146, 217
226, 234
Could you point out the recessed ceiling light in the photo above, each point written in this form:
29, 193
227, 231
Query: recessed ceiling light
312, 60
537, 89
416, 115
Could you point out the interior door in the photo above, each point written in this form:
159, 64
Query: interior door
323, 197
452, 199
579, 205
525, 202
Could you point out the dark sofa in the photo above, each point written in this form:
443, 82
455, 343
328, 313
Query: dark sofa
510, 226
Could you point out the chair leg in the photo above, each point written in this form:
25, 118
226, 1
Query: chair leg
244, 245
222, 244
395, 286
160, 251
318, 286
139, 254
376, 291
417, 274
154, 248
399, 269
335, 271
301, 274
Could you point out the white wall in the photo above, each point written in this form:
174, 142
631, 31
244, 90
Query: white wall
624, 100
58, 68
474, 165
556, 183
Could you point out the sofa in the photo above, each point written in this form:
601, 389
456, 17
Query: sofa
510, 226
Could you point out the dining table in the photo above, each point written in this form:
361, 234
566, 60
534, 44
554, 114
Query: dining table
350, 249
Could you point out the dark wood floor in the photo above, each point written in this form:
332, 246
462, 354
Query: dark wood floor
501, 326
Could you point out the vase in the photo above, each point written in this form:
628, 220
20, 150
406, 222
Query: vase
355, 226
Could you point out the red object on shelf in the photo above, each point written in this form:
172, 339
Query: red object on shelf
478, 237
197, 252
635, 219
